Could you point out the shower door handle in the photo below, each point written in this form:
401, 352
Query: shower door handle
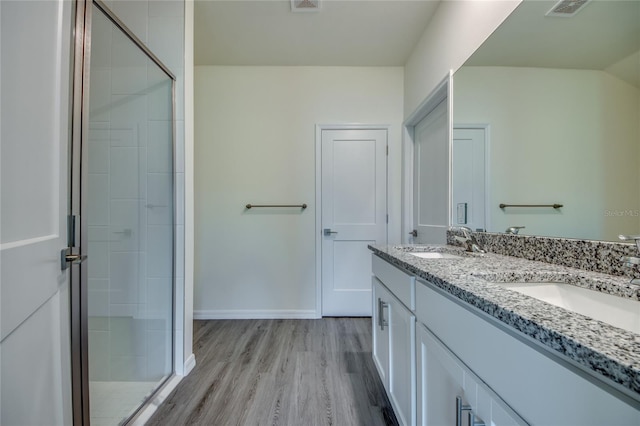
75, 258
67, 259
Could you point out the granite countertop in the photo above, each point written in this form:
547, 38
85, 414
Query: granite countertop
599, 348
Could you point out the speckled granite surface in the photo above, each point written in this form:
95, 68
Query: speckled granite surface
596, 256
599, 347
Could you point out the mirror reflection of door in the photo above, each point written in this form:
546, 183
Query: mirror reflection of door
468, 177
431, 176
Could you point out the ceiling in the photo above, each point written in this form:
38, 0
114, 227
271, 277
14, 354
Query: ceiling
341, 33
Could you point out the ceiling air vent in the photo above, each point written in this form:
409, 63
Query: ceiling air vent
567, 8
305, 5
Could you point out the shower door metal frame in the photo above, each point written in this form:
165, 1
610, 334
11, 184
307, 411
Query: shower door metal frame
78, 229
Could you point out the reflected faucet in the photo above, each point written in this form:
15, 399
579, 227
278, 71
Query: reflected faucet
513, 230
631, 262
468, 239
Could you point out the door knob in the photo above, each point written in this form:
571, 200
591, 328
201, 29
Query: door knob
328, 231
414, 233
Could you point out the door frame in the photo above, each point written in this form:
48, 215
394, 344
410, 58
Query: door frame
78, 304
318, 209
442, 92
486, 128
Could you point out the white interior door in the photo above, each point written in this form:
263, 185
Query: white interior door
354, 214
34, 290
431, 177
468, 178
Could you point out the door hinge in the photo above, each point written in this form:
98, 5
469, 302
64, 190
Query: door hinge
387, 150
387, 218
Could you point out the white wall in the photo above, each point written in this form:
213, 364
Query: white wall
455, 31
255, 143
557, 136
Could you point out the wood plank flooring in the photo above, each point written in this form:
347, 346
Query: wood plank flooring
280, 372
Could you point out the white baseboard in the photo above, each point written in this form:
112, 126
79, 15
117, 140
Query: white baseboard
189, 364
254, 314
145, 414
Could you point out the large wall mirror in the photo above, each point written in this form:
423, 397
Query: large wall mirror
547, 111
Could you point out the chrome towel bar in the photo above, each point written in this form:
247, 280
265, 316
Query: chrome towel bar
250, 206
555, 206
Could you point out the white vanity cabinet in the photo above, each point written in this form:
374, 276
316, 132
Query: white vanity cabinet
394, 337
448, 393
431, 348
504, 377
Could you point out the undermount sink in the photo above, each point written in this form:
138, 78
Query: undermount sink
435, 255
617, 311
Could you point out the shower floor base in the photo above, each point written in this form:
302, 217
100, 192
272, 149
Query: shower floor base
113, 402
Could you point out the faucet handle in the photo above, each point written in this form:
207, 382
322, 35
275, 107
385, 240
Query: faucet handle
466, 231
635, 238
629, 261
514, 229
629, 237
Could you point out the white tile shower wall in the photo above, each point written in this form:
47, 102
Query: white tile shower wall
179, 142
128, 128
166, 40
98, 215
158, 159
159, 205
135, 15
160, 24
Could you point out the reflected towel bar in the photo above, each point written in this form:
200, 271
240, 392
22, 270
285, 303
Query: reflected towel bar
555, 206
250, 206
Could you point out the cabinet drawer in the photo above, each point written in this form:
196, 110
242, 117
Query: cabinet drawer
401, 284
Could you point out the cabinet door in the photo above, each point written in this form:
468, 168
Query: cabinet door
380, 331
488, 407
440, 381
443, 378
402, 361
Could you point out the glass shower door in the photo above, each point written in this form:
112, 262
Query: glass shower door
129, 211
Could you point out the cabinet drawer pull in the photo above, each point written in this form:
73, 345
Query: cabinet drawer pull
459, 409
474, 421
381, 306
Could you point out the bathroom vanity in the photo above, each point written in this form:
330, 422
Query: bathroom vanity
454, 345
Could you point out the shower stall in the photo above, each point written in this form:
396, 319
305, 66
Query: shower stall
123, 174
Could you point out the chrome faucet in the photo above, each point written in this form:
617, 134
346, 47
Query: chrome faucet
513, 230
631, 261
468, 239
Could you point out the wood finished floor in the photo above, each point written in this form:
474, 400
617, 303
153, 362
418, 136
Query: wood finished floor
280, 372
